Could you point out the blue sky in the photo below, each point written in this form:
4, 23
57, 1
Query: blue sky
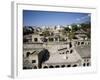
41, 18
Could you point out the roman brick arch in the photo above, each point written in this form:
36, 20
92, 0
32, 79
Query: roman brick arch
35, 67
63, 66
84, 64
51, 66
45, 67
57, 66
68, 65
35, 39
82, 43
78, 43
75, 65
88, 64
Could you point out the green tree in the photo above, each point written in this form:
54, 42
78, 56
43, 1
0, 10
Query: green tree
87, 28
66, 30
71, 35
46, 33
74, 27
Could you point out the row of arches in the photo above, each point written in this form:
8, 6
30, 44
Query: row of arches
60, 66
51, 66
82, 43
86, 64
53, 39
66, 52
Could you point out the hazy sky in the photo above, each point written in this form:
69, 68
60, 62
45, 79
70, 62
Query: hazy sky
40, 18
